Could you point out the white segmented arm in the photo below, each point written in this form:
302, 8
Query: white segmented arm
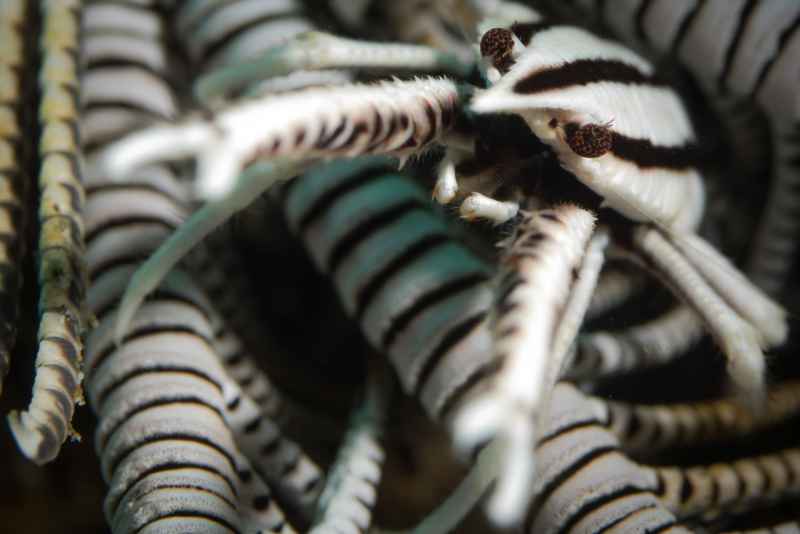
260, 513
419, 296
613, 288
739, 340
654, 342
585, 483
318, 50
535, 285
572, 317
741, 294
350, 493
159, 397
278, 460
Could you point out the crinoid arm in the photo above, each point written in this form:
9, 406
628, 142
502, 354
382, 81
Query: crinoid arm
585, 483
254, 181
318, 50
749, 301
577, 305
739, 339
535, 284
351, 492
401, 118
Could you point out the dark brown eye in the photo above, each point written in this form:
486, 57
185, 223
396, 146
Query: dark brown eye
497, 44
589, 140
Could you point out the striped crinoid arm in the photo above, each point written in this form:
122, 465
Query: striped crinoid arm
655, 342
13, 174
649, 429
295, 479
220, 37
584, 482
46, 423
349, 496
729, 487
259, 511
166, 450
224, 33
316, 51
162, 396
226, 42
400, 118
533, 323
614, 287
791, 527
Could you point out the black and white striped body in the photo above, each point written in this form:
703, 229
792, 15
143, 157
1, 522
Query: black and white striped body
568, 78
745, 49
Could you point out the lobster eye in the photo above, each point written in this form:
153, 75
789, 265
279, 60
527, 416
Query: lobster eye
589, 140
497, 44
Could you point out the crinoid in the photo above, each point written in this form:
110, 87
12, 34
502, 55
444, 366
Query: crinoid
591, 164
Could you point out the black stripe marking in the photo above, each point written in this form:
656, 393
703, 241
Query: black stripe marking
783, 41
644, 154
322, 203
566, 429
584, 72
439, 294
188, 512
188, 486
526, 30
687, 489
172, 466
490, 368
625, 517
556, 482
145, 331
149, 439
639, 19
349, 241
685, 26
663, 528
371, 288
733, 47
103, 395
592, 505
233, 33
456, 334
146, 115
124, 221
153, 403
